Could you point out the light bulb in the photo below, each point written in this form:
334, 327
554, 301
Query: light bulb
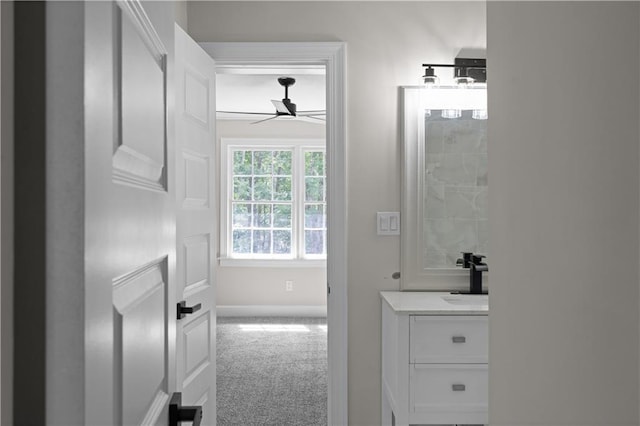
429, 82
463, 81
451, 113
479, 114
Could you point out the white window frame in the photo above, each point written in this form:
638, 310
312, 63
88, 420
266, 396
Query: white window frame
297, 257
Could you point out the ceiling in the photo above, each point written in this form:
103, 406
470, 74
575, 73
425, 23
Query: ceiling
251, 88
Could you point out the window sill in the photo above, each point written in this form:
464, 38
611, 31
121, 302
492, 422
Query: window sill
273, 263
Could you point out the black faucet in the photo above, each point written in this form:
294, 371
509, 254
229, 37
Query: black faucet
477, 267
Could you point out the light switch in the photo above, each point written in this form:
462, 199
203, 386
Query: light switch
393, 223
388, 223
383, 224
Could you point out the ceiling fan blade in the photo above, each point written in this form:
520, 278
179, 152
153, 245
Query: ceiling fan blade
309, 119
236, 115
280, 107
244, 112
266, 119
313, 112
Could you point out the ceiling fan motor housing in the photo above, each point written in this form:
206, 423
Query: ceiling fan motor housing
290, 106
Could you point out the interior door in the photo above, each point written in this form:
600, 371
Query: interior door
130, 305
196, 223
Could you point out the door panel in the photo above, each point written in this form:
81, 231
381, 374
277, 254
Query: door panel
140, 58
197, 255
196, 223
140, 341
196, 184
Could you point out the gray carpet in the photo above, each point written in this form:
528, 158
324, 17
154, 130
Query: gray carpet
271, 371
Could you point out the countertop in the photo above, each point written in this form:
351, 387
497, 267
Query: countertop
432, 303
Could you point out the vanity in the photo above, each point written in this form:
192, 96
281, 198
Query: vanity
435, 343
434, 358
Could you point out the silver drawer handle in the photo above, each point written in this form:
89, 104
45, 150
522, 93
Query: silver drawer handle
458, 388
458, 339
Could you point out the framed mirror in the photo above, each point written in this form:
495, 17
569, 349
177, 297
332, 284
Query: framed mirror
444, 185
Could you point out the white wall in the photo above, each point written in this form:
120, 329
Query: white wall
563, 161
266, 286
386, 44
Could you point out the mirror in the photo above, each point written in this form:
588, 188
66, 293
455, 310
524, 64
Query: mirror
445, 185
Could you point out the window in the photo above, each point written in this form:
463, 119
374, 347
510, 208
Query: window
274, 199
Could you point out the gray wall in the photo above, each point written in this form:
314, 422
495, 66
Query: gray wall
266, 286
563, 161
181, 14
6, 225
386, 44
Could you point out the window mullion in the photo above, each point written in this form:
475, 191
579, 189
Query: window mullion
228, 177
303, 192
299, 203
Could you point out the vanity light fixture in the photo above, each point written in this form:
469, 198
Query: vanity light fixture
429, 78
465, 71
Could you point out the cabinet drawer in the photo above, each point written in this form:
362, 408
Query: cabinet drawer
440, 391
448, 339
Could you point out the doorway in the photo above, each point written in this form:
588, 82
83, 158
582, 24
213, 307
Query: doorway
332, 57
271, 281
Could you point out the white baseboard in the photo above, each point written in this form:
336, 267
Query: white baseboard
271, 311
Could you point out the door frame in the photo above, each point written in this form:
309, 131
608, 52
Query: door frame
333, 56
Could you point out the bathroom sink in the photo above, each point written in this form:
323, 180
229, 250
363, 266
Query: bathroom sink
467, 300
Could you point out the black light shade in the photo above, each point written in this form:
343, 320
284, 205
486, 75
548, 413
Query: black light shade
429, 77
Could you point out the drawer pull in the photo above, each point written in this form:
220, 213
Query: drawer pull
458, 339
458, 388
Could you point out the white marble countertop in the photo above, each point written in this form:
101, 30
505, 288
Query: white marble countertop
434, 303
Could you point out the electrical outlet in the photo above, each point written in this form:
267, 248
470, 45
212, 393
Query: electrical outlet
288, 285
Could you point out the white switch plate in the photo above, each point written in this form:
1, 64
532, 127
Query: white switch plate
388, 223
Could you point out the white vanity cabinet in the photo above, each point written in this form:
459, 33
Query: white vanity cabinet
434, 359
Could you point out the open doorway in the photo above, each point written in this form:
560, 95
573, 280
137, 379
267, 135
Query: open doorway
332, 55
271, 282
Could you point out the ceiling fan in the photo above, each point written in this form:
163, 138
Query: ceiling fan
284, 108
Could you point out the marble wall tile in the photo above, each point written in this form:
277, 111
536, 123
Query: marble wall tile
434, 138
450, 235
453, 169
434, 199
451, 258
456, 189
465, 202
483, 237
434, 259
481, 204
482, 173
464, 136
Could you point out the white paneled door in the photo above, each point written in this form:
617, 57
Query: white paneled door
130, 214
149, 216
196, 224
